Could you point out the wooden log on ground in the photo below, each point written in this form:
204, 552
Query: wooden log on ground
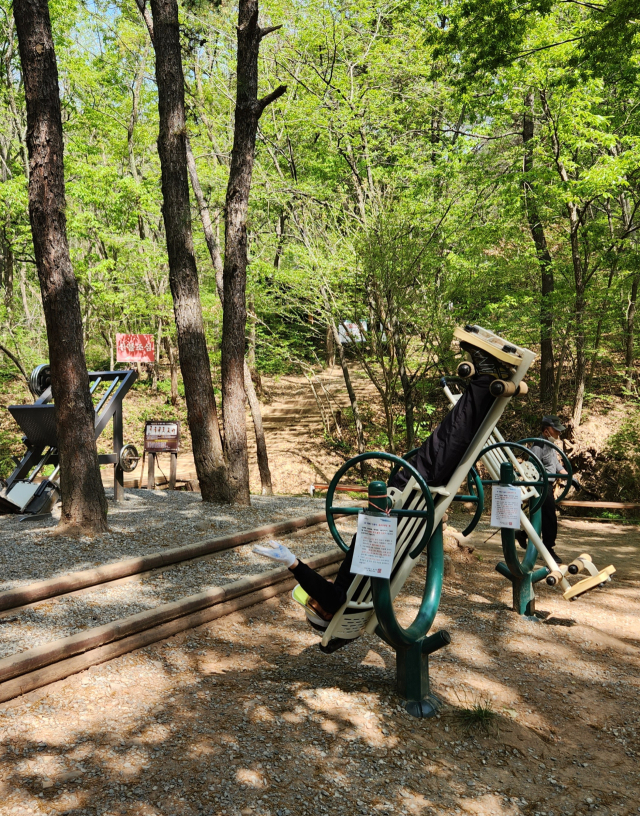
132, 566
47, 653
604, 505
72, 665
342, 488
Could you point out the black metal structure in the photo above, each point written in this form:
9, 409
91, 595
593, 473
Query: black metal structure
37, 421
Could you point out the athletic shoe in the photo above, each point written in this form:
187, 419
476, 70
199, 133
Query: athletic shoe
485, 363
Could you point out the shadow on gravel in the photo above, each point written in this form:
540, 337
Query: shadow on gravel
246, 716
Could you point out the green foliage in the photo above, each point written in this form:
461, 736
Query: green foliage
392, 174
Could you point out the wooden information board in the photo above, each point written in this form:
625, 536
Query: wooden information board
162, 437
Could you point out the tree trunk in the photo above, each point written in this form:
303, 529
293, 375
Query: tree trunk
84, 505
629, 332
173, 369
579, 272
330, 348
251, 336
214, 252
544, 256
247, 114
183, 275
345, 370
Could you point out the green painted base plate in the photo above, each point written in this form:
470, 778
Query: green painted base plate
423, 709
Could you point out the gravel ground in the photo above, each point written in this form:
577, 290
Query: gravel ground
145, 523
245, 717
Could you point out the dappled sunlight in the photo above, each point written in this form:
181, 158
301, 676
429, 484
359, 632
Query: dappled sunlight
246, 715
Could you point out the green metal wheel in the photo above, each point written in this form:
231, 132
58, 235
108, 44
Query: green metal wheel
427, 514
541, 484
568, 476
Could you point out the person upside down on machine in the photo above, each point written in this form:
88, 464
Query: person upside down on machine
435, 460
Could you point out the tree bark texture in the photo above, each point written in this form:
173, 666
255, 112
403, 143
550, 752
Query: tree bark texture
84, 506
544, 256
629, 334
216, 259
183, 275
247, 114
345, 369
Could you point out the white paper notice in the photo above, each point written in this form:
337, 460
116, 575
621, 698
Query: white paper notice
375, 545
506, 503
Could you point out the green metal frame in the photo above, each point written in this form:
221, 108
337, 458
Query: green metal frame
473, 480
413, 645
428, 513
542, 483
522, 574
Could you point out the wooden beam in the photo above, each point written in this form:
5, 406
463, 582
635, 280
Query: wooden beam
133, 566
604, 505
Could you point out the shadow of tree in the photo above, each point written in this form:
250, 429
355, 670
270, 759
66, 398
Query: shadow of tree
246, 716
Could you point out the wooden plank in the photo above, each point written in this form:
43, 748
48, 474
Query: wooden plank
72, 665
47, 653
173, 471
73, 581
598, 504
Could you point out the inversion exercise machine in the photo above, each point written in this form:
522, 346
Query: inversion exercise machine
512, 463
23, 494
420, 509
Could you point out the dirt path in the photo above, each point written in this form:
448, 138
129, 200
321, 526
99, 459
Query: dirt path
245, 716
293, 430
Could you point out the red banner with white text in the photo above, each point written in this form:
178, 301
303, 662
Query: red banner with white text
135, 348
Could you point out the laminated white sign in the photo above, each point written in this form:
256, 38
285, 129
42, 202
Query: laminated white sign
375, 545
506, 503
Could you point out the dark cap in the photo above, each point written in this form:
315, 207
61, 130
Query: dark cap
553, 422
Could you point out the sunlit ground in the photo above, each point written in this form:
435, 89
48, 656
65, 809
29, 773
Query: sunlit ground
246, 716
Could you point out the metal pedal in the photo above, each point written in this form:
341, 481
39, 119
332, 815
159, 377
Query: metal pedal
589, 583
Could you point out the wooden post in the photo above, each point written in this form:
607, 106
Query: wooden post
151, 477
173, 472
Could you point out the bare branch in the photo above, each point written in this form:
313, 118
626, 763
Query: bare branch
269, 30
271, 97
15, 360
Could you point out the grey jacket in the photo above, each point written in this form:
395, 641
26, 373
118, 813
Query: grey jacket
549, 458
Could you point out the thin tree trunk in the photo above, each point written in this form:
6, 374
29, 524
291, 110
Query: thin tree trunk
216, 259
580, 307
173, 369
560, 372
345, 370
84, 505
183, 275
330, 348
247, 114
629, 332
156, 361
251, 335
578, 273
542, 251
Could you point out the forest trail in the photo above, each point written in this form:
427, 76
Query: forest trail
293, 430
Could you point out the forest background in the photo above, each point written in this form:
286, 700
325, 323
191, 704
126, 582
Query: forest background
429, 165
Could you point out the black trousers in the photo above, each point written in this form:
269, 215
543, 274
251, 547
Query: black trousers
436, 460
549, 520
440, 454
